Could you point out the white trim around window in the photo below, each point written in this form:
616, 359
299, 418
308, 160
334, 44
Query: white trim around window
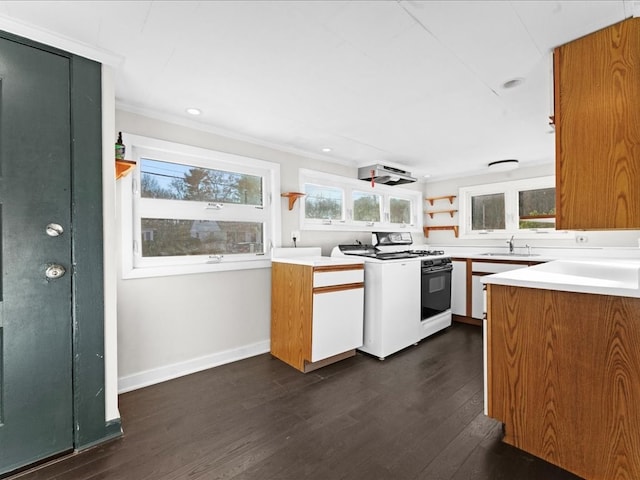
350, 188
510, 191
134, 208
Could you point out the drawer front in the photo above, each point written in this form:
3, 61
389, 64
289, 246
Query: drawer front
338, 277
495, 267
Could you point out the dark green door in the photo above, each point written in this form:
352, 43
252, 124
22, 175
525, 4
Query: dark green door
36, 401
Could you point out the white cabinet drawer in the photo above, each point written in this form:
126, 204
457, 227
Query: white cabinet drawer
337, 277
495, 267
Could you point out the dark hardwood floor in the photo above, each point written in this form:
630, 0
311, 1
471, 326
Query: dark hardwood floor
416, 415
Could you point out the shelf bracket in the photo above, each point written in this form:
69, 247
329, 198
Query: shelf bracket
292, 196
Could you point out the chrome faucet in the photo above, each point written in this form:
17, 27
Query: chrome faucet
510, 242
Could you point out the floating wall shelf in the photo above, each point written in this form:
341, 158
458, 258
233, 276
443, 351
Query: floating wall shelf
450, 212
123, 167
292, 196
443, 227
433, 199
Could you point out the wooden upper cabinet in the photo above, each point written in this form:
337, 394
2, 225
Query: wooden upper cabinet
597, 119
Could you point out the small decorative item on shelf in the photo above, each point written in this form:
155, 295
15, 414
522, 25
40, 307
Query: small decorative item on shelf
120, 148
122, 166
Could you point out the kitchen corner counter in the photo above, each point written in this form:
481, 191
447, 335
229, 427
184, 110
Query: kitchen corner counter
617, 277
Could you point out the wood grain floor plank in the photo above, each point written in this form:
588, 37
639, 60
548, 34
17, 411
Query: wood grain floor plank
417, 415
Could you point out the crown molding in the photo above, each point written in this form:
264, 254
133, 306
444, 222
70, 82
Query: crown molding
56, 40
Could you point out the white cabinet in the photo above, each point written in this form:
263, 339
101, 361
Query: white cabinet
317, 311
392, 306
459, 288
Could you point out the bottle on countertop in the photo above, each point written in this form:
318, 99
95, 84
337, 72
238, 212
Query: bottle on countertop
119, 147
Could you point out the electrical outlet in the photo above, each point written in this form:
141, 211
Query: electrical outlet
581, 239
295, 235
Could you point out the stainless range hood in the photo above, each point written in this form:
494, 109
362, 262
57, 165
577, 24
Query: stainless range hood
385, 175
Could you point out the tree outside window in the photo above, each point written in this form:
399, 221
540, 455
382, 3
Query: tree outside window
366, 207
322, 202
488, 212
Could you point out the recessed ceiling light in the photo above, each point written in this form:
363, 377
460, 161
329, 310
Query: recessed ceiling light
194, 111
326, 150
514, 82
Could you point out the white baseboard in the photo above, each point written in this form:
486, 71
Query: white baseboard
168, 372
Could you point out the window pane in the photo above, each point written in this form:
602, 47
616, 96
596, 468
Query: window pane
168, 237
487, 212
535, 205
366, 207
183, 182
400, 210
323, 202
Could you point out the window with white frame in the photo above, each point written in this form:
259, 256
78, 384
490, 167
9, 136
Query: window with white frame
523, 207
196, 210
333, 202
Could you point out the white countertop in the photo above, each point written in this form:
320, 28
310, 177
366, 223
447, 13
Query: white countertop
539, 254
618, 277
319, 261
310, 256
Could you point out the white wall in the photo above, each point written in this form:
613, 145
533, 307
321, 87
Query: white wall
170, 326
616, 238
174, 325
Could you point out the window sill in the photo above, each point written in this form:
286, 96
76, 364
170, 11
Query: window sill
350, 227
172, 270
518, 235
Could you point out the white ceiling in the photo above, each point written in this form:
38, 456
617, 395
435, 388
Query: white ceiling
413, 84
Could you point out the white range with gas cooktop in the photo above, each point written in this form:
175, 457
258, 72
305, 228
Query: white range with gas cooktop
407, 292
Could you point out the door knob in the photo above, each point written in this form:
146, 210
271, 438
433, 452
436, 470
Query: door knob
54, 271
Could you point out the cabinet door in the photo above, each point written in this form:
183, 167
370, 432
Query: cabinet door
337, 322
459, 288
597, 93
401, 290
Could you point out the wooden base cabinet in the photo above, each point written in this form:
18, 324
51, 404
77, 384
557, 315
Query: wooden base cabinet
564, 378
316, 313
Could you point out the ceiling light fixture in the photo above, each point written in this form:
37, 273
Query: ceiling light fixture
503, 165
326, 150
514, 82
193, 111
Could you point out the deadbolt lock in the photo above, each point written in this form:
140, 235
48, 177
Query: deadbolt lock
54, 271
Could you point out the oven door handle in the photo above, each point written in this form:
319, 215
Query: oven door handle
427, 270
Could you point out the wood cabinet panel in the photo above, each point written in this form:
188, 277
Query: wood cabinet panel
564, 377
291, 312
597, 118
